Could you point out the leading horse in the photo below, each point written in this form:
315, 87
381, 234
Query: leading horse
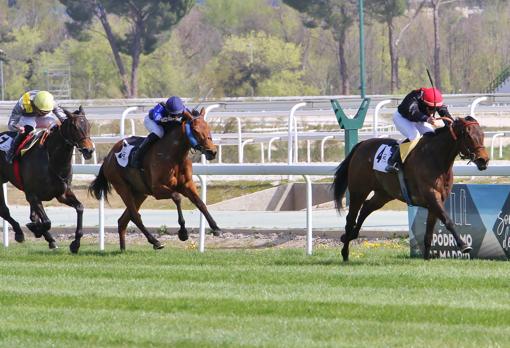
45, 172
428, 172
167, 172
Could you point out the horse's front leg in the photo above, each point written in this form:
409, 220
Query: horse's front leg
69, 198
40, 224
190, 191
436, 207
183, 232
429, 231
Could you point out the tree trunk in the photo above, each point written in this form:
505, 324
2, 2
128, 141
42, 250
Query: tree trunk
437, 45
344, 76
393, 58
101, 14
135, 55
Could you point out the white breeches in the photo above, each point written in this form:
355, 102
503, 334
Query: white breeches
411, 130
37, 122
153, 127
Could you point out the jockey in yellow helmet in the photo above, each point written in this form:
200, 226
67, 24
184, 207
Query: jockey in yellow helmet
32, 105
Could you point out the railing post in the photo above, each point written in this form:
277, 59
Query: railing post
101, 223
203, 195
378, 108
292, 122
309, 200
475, 103
123, 118
5, 236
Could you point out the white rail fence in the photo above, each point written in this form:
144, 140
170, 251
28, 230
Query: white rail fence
305, 170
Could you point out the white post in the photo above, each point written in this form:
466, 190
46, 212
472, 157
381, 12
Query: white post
6, 224
378, 108
291, 124
269, 147
262, 152
309, 232
239, 141
203, 195
493, 140
323, 141
475, 103
123, 118
101, 223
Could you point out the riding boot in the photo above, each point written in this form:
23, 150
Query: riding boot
142, 150
9, 157
394, 162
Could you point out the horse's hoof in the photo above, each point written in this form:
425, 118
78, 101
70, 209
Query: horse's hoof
183, 234
345, 255
466, 249
74, 247
217, 232
158, 246
53, 245
19, 237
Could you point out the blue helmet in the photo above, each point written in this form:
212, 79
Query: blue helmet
174, 105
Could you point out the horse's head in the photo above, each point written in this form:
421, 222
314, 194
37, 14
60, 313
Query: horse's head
199, 134
75, 130
470, 137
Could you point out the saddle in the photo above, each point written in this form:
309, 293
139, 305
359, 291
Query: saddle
28, 143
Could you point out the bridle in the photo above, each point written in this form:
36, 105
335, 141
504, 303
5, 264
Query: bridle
72, 142
466, 152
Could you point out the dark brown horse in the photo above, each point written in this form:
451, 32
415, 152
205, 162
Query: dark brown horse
428, 172
45, 173
167, 173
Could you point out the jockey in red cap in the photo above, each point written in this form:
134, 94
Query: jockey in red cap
415, 116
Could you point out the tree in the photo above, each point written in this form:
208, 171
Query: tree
386, 11
148, 21
337, 16
257, 64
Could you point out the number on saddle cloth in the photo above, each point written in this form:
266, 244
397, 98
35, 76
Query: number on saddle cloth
129, 146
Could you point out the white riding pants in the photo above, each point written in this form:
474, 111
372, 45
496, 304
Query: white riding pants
153, 127
411, 130
37, 122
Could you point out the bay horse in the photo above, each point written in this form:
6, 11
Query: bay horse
45, 172
427, 170
166, 174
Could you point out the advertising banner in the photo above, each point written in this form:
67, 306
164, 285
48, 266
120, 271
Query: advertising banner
481, 214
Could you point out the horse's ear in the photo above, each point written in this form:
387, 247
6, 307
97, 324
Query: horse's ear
187, 115
202, 112
80, 109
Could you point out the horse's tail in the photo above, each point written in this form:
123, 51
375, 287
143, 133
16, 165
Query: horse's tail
100, 186
340, 181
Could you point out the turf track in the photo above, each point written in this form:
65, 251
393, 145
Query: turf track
270, 297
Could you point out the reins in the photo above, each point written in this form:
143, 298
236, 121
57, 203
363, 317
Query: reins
455, 137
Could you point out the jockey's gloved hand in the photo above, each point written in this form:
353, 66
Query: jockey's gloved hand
195, 112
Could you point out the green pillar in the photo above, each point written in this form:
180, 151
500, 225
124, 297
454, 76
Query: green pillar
350, 125
361, 49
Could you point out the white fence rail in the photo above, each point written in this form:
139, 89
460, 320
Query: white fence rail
307, 171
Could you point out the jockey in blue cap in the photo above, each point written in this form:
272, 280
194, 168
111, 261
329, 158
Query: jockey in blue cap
162, 113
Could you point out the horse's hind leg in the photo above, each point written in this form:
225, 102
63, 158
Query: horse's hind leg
68, 198
123, 221
6, 215
378, 200
130, 200
183, 232
356, 200
41, 224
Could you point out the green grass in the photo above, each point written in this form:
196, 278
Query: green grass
270, 297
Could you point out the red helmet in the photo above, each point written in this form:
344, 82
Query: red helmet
432, 97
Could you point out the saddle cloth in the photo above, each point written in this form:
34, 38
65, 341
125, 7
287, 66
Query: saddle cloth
129, 146
384, 152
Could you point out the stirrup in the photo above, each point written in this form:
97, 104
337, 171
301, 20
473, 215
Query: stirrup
394, 168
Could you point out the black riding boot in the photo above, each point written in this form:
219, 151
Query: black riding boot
394, 162
9, 157
142, 150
